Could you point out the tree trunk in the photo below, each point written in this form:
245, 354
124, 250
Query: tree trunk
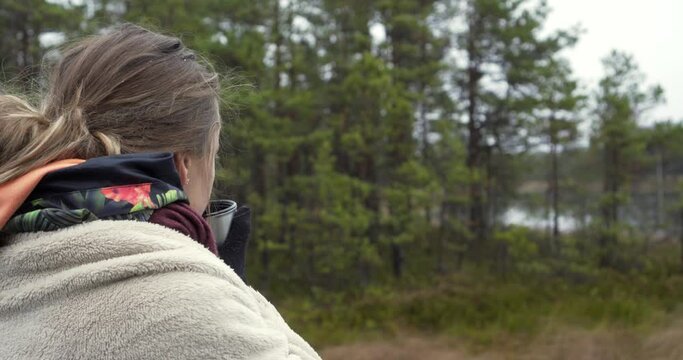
275, 33
611, 207
660, 191
681, 237
474, 151
397, 260
555, 196
440, 239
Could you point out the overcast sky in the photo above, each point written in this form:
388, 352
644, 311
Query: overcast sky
651, 30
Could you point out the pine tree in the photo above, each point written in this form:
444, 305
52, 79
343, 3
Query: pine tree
414, 51
558, 110
502, 47
621, 101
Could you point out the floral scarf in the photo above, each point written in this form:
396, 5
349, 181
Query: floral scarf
117, 187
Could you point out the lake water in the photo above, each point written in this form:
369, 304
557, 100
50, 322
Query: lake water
519, 216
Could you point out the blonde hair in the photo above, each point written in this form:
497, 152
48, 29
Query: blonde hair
127, 91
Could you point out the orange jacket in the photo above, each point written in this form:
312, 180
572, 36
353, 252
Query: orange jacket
14, 192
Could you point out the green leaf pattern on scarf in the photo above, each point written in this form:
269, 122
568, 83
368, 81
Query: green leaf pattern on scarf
129, 202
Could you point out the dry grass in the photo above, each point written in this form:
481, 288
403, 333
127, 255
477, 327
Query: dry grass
665, 343
399, 349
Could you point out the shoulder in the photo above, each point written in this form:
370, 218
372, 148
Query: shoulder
182, 315
203, 310
138, 290
103, 252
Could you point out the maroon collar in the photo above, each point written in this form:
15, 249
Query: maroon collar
180, 217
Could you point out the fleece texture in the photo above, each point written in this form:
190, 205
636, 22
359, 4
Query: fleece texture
131, 290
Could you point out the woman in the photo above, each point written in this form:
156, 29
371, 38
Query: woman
104, 254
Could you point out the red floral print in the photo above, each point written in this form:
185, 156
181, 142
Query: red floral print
133, 194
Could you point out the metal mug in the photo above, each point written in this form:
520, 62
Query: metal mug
219, 215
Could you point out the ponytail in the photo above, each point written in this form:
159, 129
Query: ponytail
28, 140
20, 125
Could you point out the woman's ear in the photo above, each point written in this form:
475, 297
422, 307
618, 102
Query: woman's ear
182, 164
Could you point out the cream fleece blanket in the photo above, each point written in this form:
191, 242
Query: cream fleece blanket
131, 290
